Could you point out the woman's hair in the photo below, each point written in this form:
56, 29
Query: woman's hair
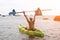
31, 18
13, 10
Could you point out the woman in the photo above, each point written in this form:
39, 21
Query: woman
30, 21
13, 12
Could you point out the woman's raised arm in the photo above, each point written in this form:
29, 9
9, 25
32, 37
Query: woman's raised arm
26, 16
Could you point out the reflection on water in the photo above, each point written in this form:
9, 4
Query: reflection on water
31, 38
26, 37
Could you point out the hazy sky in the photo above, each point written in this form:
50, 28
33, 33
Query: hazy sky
26, 5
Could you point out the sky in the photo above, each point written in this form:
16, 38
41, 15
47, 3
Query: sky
6, 6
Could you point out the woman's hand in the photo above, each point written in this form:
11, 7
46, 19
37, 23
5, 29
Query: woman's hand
24, 12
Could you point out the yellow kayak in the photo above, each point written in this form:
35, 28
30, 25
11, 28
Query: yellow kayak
36, 32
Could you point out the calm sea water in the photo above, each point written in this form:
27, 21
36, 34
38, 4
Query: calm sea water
9, 28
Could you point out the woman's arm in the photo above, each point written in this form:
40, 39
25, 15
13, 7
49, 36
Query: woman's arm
26, 16
34, 18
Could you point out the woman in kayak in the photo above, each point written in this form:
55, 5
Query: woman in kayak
13, 12
30, 21
38, 12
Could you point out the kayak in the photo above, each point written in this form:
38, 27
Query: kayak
36, 32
